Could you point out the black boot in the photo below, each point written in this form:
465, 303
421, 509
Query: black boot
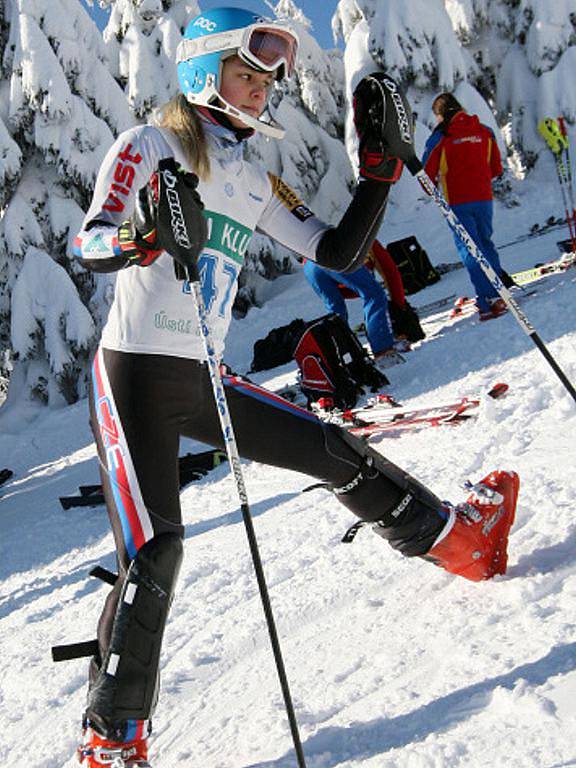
402, 510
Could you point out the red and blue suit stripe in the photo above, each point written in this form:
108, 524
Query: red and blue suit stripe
265, 396
132, 512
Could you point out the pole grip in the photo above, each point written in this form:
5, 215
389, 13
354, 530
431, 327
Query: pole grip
193, 274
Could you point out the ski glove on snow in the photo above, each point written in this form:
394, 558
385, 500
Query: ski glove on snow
138, 237
383, 121
405, 322
182, 228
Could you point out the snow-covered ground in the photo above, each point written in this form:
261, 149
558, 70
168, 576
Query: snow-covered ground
392, 663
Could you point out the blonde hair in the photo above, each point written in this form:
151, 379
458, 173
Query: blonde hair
179, 117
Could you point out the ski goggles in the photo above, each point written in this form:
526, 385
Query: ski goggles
267, 48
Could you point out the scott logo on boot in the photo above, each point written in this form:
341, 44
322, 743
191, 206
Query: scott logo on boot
402, 506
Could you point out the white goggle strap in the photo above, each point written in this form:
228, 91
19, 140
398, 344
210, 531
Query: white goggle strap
201, 46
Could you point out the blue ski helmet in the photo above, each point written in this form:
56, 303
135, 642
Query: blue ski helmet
212, 37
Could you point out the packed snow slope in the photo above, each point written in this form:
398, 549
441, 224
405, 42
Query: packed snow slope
392, 662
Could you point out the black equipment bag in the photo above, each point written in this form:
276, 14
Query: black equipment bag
414, 265
333, 364
277, 348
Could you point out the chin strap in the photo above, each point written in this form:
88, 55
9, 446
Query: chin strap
273, 129
220, 118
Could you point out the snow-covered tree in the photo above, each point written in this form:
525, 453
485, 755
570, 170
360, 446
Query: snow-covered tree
59, 110
414, 42
51, 328
140, 40
536, 75
480, 26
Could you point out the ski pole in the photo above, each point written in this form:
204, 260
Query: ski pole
569, 179
570, 220
557, 141
183, 231
415, 167
234, 459
552, 134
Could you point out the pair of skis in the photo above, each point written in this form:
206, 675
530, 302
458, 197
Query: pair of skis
527, 276
383, 415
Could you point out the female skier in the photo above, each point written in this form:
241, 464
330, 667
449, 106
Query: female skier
150, 380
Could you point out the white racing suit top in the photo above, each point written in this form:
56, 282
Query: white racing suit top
153, 312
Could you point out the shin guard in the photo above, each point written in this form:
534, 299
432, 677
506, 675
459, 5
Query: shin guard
124, 688
402, 510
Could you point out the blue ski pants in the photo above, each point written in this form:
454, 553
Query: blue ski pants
477, 220
325, 283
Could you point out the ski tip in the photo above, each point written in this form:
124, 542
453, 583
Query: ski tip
498, 390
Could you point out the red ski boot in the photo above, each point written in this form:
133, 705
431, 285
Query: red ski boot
474, 542
496, 308
96, 751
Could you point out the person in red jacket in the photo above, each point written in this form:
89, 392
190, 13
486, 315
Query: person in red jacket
462, 157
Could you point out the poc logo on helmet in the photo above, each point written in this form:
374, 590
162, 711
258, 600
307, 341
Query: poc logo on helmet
206, 24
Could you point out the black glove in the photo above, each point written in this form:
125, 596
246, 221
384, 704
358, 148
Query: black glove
138, 237
383, 120
182, 228
405, 322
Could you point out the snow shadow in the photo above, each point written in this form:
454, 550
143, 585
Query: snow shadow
235, 517
333, 746
79, 577
546, 560
40, 587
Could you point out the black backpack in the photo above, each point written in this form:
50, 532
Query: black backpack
333, 364
414, 265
